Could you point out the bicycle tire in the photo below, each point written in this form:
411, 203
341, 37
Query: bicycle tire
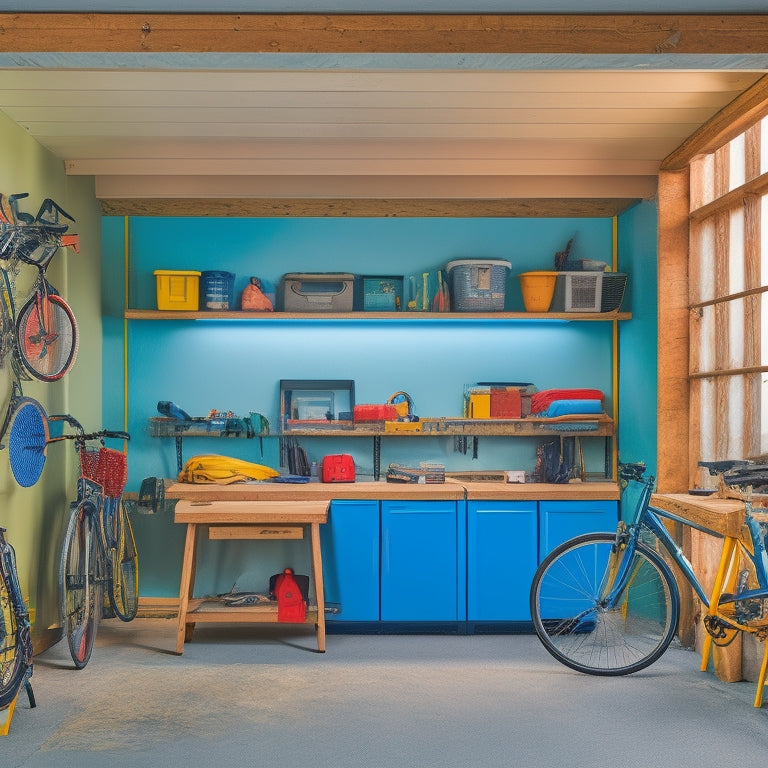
82, 582
27, 441
579, 631
124, 567
12, 666
47, 345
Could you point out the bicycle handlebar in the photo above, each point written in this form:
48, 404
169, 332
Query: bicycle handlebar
81, 434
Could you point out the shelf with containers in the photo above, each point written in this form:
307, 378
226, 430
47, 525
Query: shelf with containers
483, 298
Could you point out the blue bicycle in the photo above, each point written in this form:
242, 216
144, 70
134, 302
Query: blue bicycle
608, 604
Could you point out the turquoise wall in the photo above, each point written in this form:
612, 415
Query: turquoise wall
638, 352
237, 365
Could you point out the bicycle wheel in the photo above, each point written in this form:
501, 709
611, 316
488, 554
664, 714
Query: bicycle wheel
27, 441
124, 566
11, 649
576, 626
82, 582
46, 336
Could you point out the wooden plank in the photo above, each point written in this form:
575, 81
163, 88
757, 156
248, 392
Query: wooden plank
753, 315
674, 466
724, 516
431, 207
623, 34
224, 532
212, 612
729, 122
156, 314
245, 512
186, 585
325, 492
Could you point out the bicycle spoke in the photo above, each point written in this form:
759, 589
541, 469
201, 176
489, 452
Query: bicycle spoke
592, 623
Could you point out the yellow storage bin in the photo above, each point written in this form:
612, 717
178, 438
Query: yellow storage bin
177, 289
538, 289
480, 406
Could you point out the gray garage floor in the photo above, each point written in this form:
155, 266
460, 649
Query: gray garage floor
256, 696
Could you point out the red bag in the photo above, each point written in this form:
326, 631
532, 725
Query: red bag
253, 299
290, 601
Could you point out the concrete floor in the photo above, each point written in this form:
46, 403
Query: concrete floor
261, 696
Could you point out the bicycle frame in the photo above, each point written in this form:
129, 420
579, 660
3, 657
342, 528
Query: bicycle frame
651, 518
8, 573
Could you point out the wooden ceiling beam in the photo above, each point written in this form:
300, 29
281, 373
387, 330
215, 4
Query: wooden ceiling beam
624, 34
728, 123
346, 207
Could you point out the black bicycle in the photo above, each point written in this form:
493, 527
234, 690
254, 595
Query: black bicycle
15, 631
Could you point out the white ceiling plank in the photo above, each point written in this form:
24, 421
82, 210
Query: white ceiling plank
379, 187
301, 166
378, 81
298, 115
371, 130
17, 101
81, 149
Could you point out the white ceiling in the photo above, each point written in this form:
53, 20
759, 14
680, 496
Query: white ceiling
367, 133
170, 125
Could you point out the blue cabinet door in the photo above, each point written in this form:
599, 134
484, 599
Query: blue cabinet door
562, 520
501, 559
350, 547
419, 561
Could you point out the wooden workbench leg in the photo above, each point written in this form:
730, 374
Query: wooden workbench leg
317, 568
187, 584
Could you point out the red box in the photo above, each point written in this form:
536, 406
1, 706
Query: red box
338, 468
506, 403
375, 413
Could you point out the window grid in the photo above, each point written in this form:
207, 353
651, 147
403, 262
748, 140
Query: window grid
728, 267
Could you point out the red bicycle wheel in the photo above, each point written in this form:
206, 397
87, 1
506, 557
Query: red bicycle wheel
46, 336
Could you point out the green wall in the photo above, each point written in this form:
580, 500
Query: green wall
34, 516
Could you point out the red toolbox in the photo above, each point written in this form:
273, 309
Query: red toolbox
506, 403
338, 468
375, 413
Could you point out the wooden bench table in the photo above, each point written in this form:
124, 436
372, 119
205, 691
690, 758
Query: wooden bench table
246, 520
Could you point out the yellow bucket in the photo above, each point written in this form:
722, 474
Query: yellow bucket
538, 289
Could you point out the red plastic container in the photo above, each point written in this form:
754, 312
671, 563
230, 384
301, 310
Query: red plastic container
375, 413
338, 468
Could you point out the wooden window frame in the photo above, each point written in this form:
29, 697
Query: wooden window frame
684, 209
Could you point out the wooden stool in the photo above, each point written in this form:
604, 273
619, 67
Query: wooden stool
246, 520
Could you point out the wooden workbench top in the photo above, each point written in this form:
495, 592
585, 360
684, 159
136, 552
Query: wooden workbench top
725, 516
606, 491
251, 512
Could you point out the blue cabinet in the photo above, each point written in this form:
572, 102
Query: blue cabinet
438, 564
501, 559
562, 520
422, 562
350, 546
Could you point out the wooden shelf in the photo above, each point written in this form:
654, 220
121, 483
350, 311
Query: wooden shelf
212, 610
156, 314
529, 426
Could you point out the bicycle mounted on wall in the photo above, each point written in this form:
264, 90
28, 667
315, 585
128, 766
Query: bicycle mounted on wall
41, 337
